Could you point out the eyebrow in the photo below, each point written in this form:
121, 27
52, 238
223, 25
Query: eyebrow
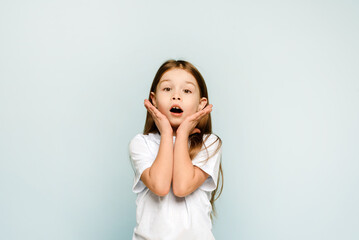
163, 80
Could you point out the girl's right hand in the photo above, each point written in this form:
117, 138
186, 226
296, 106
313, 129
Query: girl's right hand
161, 120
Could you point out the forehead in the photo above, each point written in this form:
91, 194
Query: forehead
178, 76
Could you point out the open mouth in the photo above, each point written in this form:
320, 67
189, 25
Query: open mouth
176, 110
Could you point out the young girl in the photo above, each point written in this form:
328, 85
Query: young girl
177, 159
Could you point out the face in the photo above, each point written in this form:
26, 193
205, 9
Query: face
178, 86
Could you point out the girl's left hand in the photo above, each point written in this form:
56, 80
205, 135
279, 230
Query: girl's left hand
188, 126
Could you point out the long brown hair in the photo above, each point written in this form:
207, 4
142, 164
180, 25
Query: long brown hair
205, 125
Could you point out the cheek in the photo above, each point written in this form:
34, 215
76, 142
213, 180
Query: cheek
192, 108
162, 107
159, 101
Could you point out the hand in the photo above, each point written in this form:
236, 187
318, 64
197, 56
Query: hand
161, 120
188, 126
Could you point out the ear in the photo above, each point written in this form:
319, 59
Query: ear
153, 99
202, 103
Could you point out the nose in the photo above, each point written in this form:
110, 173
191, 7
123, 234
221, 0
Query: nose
176, 96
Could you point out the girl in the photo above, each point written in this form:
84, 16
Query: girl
177, 159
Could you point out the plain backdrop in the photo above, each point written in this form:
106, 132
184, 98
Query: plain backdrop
283, 79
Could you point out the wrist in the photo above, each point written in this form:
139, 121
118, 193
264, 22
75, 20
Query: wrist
182, 134
167, 134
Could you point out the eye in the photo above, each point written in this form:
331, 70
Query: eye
189, 91
166, 88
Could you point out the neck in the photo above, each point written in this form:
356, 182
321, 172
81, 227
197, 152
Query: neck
174, 131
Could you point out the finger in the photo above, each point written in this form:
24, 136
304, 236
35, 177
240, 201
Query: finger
156, 111
196, 130
149, 105
153, 110
204, 111
208, 107
150, 108
199, 115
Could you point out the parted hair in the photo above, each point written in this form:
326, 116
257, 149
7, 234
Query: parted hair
205, 125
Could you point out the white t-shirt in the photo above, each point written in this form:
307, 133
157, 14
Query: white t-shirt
171, 217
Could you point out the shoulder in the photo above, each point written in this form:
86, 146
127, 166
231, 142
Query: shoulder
212, 140
140, 139
136, 138
210, 154
212, 144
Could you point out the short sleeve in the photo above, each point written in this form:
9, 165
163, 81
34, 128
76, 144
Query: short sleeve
212, 165
141, 159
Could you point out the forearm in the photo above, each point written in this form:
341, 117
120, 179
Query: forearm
183, 170
161, 169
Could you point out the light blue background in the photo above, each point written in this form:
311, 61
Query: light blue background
283, 79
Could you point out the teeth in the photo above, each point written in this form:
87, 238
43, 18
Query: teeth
177, 108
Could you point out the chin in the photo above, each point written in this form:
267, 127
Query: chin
175, 125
